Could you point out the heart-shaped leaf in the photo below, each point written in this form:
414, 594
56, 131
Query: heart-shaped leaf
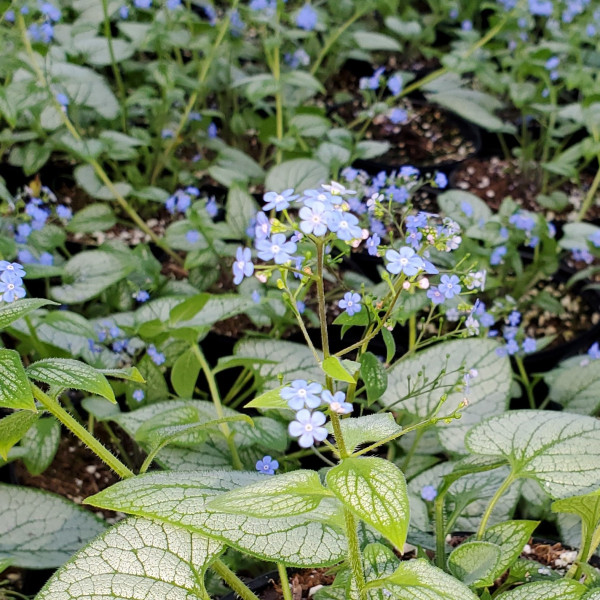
15, 389
475, 563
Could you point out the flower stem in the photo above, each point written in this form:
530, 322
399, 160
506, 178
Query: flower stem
354, 557
216, 398
55, 409
490, 507
321, 298
526, 382
232, 580
589, 198
284, 581
440, 529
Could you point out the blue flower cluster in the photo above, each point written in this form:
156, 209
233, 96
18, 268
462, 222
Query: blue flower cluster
11, 281
302, 397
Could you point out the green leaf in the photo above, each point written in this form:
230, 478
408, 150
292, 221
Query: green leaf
390, 345
13, 427
333, 367
67, 373
475, 563
308, 125
370, 428
442, 367
560, 450
39, 530
182, 499
375, 490
137, 559
283, 495
418, 579
374, 375
379, 561
101, 408
565, 589
97, 52
184, 374
86, 177
270, 399
240, 209
368, 40
128, 373
88, 274
15, 389
451, 204
299, 174
576, 387
41, 443
369, 149
12, 311
187, 309
92, 218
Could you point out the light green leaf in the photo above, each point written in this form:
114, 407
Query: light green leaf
445, 363
240, 209
560, 450
182, 499
96, 52
13, 427
12, 311
92, 218
101, 408
15, 389
184, 374
475, 563
419, 580
41, 443
565, 589
86, 177
310, 125
379, 561
576, 387
451, 204
368, 40
374, 375
73, 374
218, 308
137, 559
368, 149
128, 373
370, 428
39, 530
88, 274
333, 155
333, 367
283, 495
299, 174
270, 399
375, 490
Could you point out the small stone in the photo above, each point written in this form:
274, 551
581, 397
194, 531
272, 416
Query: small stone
91, 468
314, 589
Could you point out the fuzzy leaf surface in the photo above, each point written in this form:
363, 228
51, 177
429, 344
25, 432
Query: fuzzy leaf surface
15, 389
41, 443
475, 563
564, 589
370, 428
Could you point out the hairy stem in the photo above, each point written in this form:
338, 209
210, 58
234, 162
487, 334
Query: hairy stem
490, 507
354, 557
284, 581
232, 580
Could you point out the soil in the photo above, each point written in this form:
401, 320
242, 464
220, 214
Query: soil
495, 178
75, 473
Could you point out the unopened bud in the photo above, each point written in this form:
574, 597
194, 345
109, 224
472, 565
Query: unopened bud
406, 285
261, 277
424, 283
280, 284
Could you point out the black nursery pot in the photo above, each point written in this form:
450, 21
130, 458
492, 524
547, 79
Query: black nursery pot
257, 585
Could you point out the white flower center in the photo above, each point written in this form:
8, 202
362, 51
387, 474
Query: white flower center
344, 224
335, 406
240, 264
308, 427
302, 393
279, 198
11, 286
349, 303
275, 248
403, 261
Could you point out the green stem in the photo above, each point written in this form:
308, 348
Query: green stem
116, 442
589, 198
337, 433
55, 409
333, 38
490, 507
200, 87
100, 172
284, 581
413, 448
35, 340
321, 298
276, 70
115, 69
440, 530
232, 580
526, 382
216, 398
354, 557
412, 332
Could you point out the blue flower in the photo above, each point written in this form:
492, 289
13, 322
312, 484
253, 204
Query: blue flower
173, 4
242, 267
552, 63
371, 83
50, 11
9, 16
594, 351
11, 286
428, 493
372, 244
466, 208
435, 295
212, 130
308, 427
307, 18
345, 225
142, 296
299, 57
142, 3
46, 259
64, 212
256, 297
450, 286
466, 25
397, 117
276, 249
351, 303
62, 99
313, 219
13, 268
267, 465
278, 201
236, 23
522, 221
192, 236
167, 134
497, 254
124, 12
416, 221
529, 345
514, 318
394, 84
158, 358
541, 8
212, 208
440, 180
301, 306
595, 238
512, 347
138, 395
405, 261
41, 33
26, 257
262, 227
408, 171
582, 255
301, 394
337, 402
398, 194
